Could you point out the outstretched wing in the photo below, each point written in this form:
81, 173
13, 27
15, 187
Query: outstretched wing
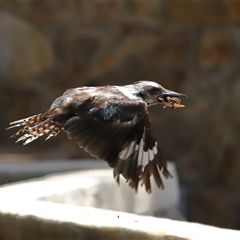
118, 131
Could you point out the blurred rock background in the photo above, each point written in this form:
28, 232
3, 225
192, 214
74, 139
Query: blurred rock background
190, 47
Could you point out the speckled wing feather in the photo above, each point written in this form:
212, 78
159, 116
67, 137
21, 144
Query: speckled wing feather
51, 122
36, 126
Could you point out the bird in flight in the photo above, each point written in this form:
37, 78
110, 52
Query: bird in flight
111, 123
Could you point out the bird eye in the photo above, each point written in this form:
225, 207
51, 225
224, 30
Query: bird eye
153, 90
141, 95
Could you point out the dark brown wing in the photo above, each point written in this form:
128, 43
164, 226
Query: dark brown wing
118, 131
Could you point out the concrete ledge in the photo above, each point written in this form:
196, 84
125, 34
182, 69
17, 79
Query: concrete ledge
71, 222
97, 188
66, 206
18, 170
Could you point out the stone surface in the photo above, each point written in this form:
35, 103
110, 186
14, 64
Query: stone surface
95, 188
32, 209
20, 168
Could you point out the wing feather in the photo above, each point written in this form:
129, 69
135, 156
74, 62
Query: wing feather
119, 133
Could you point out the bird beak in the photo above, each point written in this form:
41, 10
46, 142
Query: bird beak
168, 93
171, 99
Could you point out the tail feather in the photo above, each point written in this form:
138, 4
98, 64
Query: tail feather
36, 126
21, 122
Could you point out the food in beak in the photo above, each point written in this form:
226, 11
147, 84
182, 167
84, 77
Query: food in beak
172, 102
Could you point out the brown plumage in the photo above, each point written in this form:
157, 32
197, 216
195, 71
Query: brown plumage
36, 126
111, 123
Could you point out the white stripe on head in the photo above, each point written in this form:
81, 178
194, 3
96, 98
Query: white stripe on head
149, 83
125, 91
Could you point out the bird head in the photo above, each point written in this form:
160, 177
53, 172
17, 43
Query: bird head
153, 93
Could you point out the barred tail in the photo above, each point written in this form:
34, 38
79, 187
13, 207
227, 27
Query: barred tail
36, 126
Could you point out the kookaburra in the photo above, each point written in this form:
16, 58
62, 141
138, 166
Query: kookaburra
111, 123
